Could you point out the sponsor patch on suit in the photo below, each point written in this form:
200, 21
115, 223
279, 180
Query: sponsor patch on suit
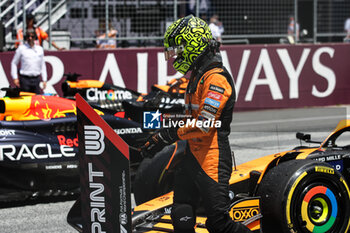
214, 95
207, 115
210, 108
216, 88
212, 102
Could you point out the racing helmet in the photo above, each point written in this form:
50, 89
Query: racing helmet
186, 39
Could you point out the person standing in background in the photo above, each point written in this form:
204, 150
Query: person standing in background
109, 41
347, 30
41, 35
216, 27
293, 36
31, 58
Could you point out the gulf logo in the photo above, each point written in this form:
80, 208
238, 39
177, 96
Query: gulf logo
212, 102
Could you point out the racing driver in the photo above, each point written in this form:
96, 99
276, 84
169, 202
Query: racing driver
206, 168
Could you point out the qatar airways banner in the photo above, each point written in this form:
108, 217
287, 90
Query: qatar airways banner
266, 76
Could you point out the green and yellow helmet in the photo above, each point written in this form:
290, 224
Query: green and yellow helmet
186, 39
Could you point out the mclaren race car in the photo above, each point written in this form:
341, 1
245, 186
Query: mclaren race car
167, 98
302, 190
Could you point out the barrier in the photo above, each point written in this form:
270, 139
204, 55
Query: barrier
266, 76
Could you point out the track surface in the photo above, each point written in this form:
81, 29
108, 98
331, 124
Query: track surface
254, 134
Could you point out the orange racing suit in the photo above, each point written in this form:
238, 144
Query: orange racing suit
213, 100
205, 170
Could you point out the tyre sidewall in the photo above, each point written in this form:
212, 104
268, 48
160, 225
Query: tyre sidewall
282, 187
323, 174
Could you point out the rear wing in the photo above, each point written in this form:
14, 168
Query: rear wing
104, 174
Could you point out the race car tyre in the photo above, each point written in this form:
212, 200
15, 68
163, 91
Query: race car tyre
147, 183
304, 196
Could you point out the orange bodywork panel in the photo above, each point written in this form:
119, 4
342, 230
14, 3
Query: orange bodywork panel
245, 209
176, 86
304, 153
85, 84
157, 203
341, 125
242, 171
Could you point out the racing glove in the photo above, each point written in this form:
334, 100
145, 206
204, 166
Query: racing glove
158, 141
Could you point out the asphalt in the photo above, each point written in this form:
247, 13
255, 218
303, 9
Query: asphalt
254, 134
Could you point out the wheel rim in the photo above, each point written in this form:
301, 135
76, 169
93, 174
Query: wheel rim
319, 209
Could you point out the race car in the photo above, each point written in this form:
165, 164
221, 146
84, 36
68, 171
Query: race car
167, 98
39, 143
301, 190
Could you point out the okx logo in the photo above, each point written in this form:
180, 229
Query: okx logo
152, 120
94, 136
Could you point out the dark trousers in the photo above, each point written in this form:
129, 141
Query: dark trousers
30, 83
192, 183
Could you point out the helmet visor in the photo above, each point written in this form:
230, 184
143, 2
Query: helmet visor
173, 51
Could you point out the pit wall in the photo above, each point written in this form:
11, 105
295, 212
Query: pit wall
266, 76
